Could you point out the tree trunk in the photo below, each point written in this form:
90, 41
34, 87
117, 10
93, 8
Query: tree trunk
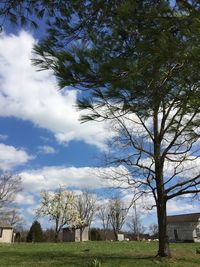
161, 200
105, 234
56, 231
81, 233
163, 250
56, 236
116, 235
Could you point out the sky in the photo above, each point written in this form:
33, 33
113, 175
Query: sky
41, 137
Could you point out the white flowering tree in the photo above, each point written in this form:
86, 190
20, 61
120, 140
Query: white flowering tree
59, 207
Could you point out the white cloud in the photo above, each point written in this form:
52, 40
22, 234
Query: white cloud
46, 150
179, 206
11, 157
50, 178
24, 199
32, 210
31, 95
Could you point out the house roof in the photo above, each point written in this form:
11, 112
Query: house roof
4, 225
192, 217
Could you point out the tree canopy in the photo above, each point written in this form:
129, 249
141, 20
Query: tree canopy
27, 12
59, 207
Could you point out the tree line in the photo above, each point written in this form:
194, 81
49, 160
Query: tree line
65, 208
37, 234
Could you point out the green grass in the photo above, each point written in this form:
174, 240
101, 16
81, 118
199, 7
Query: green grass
116, 254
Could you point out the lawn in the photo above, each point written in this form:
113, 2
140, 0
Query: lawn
125, 254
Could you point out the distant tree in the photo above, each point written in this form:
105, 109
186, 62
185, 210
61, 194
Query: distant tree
59, 207
153, 230
117, 213
18, 237
49, 235
12, 217
85, 205
35, 233
10, 185
95, 234
134, 223
22, 235
103, 215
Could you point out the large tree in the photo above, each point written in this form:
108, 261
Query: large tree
139, 61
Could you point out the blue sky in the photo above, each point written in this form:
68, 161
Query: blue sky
41, 137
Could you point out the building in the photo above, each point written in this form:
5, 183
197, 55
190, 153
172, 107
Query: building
184, 227
120, 237
76, 234
6, 233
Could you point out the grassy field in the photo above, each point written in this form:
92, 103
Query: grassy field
125, 254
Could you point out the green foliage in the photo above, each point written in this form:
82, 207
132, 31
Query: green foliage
27, 13
133, 53
35, 233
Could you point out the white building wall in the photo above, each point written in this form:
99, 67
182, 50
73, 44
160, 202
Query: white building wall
6, 235
185, 231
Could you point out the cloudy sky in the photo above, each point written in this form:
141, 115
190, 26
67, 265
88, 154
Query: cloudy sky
41, 137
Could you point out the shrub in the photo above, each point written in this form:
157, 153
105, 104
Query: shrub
35, 233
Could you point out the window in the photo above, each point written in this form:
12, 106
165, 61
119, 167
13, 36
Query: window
1, 231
